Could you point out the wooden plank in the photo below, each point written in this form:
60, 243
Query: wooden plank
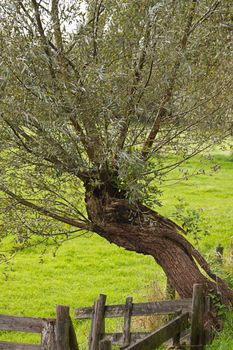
93, 313
48, 338
117, 338
176, 338
163, 334
73, 337
105, 345
21, 324
18, 346
197, 319
98, 323
62, 327
139, 309
127, 321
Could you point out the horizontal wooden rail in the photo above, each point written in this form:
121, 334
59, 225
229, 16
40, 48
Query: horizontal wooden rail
21, 324
139, 309
56, 333
18, 346
162, 334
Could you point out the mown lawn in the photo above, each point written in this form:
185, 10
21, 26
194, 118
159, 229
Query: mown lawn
89, 265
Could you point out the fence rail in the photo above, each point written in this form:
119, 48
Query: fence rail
163, 334
56, 333
139, 309
22, 324
18, 346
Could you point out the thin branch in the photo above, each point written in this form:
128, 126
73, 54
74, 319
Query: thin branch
79, 131
68, 203
173, 166
72, 44
147, 82
180, 132
137, 78
24, 85
58, 37
168, 92
43, 37
58, 46
205, 16
26, 11
67, 61
68, 166
46, 212
57, 25
96, 27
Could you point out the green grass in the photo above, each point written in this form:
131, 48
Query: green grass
87, 266
224, 340
82, 269
213, 193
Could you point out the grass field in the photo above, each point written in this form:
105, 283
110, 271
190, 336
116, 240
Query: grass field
85, 267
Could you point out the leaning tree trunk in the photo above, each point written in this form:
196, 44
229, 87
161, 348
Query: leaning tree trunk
144, 231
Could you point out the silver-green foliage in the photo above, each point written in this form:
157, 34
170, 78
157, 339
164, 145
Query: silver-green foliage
105, 87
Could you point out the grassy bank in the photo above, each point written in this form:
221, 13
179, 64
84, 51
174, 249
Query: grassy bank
89, 265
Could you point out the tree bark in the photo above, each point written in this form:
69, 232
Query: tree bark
143, 230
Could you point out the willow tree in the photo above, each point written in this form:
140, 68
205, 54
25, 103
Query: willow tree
99, 102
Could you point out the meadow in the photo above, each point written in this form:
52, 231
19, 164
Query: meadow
85, 267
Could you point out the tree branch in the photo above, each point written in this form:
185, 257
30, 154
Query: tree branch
25, 11
180, 132
58, 46
58, 38
96, 27
137, 78
70, 221
56, 25
195, 152
44, 40
68, 166
168, 92
89, 150
205, 16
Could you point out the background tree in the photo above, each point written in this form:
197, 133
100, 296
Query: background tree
100, 101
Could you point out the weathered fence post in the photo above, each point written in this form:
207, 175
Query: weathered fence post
105, 345
197, 318
97, 324
176, 338
63, 327
127, 321
48, 339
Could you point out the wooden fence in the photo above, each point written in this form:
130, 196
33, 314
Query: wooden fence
188, 314
56, 333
